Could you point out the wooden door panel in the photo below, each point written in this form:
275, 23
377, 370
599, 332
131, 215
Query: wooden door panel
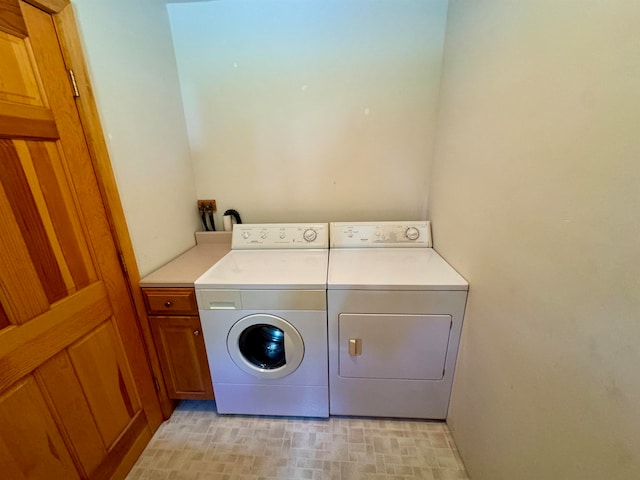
47, 256
33, 443
59, 379
100, 365
93, 394
18, 80
31, 225
56, 203
21, 292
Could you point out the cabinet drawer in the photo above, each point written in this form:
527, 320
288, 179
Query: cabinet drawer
170, 301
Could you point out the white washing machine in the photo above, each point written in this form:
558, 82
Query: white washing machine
263, 310
395, 311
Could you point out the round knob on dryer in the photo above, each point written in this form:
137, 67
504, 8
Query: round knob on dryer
246, 235
310, 235
412, 233
263, 235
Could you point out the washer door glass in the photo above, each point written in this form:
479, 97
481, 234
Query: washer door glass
265, 346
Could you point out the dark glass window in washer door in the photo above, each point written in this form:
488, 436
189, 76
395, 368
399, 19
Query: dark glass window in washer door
263, 346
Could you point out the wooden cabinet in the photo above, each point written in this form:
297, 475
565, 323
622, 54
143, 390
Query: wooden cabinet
177, 333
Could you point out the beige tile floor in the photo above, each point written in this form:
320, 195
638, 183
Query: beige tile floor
197, 444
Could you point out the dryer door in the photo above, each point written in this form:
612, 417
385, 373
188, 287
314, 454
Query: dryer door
398, 346
265, 346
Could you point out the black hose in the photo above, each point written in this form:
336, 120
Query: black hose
234, 214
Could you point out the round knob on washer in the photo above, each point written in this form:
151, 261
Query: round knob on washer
310, 235
246, 235
412, 233
263, 235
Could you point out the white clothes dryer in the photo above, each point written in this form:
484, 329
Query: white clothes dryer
263, 310
395, 311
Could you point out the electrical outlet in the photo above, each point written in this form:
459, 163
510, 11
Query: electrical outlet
206, 205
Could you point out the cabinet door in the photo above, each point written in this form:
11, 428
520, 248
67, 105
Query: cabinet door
77, 398
183, 357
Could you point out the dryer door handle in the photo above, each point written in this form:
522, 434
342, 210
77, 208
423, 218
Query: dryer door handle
355, 347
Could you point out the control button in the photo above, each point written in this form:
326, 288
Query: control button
263, 235
310, 235
282, 234
246, 235
412, 233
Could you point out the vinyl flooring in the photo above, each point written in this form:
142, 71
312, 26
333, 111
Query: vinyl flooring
198, 444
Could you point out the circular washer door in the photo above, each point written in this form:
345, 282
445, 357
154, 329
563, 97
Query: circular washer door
265, 346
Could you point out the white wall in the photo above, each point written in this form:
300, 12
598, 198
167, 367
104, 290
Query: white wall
129, 52
535, 199
311, 110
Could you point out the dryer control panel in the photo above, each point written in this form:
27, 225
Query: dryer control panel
280, 235
381, 234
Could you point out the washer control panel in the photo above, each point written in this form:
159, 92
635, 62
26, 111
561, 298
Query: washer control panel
381, 234
280, 235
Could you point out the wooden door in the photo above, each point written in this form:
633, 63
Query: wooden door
77, 398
